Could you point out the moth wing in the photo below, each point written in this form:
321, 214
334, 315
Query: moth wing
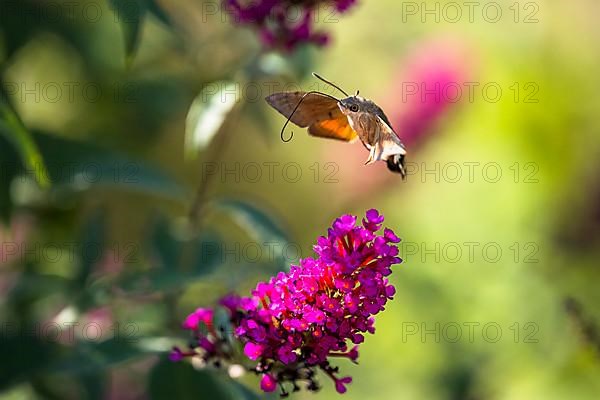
314, 108
379, 137
337, 128
391, 148
389, 133
388, 140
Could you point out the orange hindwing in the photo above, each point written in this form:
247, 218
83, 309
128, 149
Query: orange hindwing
337, 128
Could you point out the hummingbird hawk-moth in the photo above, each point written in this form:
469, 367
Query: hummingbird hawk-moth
347, 119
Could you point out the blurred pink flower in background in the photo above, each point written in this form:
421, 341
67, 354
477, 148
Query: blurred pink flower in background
69, 328
99, 324
429, 82
111, 264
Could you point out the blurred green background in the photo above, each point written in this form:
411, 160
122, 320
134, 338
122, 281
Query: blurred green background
109, 140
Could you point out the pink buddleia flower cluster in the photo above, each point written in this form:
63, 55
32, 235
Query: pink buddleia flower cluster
284, 23
298, 321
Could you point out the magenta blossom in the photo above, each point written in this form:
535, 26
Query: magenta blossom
268, 383
298, 321
284, 23
193, 320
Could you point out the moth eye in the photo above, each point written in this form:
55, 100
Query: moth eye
354, 108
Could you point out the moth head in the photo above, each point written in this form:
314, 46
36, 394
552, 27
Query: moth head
352, 105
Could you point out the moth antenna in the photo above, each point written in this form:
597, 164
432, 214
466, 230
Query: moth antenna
357, 93
330, 83
296, 109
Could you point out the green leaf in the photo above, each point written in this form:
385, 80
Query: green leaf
256, 222
91, 358
180, 381
78, 166
32, 287
10, 167
19, 27
206, 261
222, 321
90, 386
91, 246
12, 127
294, 66
256, 112
259, 225
23, 354
157, 11
302, 61
130, 14
242, 392
176, 276
207, 114
164, 245
47, 388
95, 385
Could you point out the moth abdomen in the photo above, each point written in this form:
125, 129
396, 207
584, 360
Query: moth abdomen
396, 164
